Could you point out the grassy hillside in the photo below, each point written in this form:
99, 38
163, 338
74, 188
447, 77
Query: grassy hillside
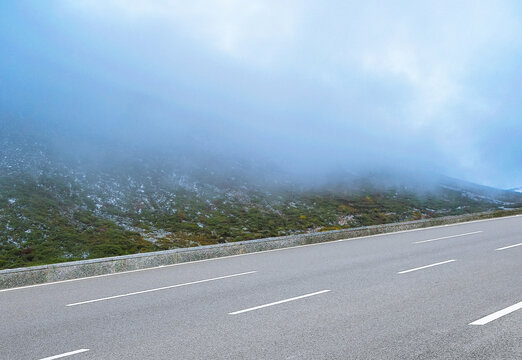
55, 217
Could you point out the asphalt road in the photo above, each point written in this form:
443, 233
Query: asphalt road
393, 296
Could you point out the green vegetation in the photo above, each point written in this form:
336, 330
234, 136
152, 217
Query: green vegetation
52, 219
39, 226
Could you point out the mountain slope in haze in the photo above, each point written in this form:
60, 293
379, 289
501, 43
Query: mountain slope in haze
54, 209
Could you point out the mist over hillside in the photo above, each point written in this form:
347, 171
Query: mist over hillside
137, 126
61, 206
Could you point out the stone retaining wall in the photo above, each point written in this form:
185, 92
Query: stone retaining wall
78, 269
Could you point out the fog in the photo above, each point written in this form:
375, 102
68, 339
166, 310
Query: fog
306, 87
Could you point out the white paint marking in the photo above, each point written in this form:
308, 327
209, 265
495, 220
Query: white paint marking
497, 314
278, 302
254, 253
161, 288
508, 247
447, 237
65, 354
427, 266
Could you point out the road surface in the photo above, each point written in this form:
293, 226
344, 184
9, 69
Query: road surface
448, 292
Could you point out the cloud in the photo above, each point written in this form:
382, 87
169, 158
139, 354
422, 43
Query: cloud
307, 84
251, 31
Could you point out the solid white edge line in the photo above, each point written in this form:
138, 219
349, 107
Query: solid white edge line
278, 302
508, 247
498, 314
447, 237
255, 253
427, 266
65, 354
160, 288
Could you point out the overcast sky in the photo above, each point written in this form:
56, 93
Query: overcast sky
308, 85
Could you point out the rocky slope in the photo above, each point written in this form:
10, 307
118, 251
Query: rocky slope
56, 208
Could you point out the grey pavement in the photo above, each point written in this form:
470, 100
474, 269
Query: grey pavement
189, 310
